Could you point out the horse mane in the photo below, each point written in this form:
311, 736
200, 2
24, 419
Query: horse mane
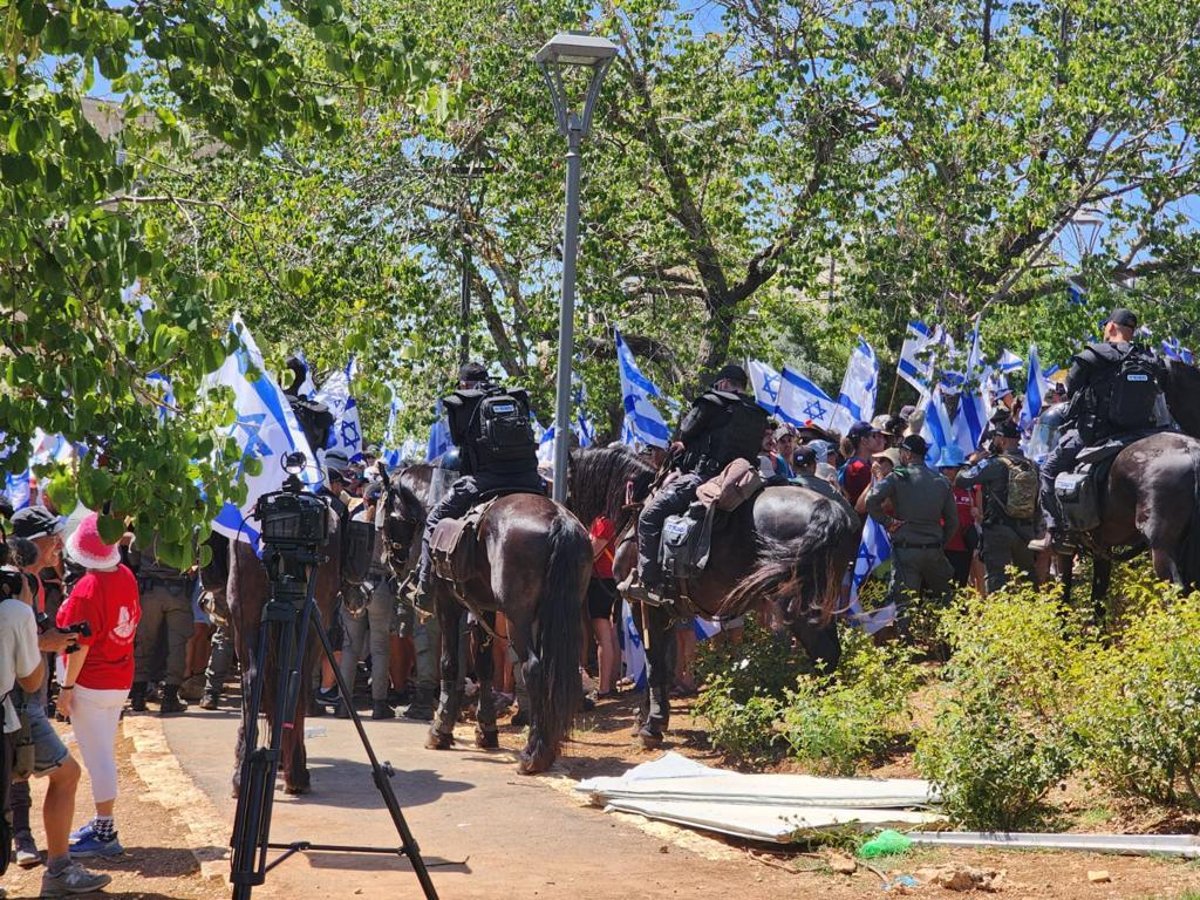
1183, 396
597, 483
409, 503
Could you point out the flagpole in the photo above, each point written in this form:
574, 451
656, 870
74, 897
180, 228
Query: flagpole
895, 385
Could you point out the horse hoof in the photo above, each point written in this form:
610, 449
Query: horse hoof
295, 790
439, 741
651, 740
487, 740
532, 765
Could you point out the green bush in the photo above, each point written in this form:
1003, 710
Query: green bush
761, 664
742, 728
1138, 710
837, 723
997, 742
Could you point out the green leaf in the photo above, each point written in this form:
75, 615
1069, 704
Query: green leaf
111, 529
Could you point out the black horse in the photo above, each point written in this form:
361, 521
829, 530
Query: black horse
1151, 500
789, 545
532, 562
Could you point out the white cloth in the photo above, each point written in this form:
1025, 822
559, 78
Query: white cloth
94, 716
19, 654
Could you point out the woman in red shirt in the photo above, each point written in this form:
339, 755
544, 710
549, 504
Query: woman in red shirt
100, 674
961, 547
601, 601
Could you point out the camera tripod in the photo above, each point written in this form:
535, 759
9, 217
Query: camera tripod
287, 618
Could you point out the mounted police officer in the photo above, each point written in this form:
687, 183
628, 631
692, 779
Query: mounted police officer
1010, 484
925, 520
1113, 388
492, 428
723, 424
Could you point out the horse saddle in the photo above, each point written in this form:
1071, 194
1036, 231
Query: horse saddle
1080, 492
452, 545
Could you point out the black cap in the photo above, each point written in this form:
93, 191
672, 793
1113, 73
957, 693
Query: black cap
733, 373
1008, 429
914, 443
35, 522
860, 430
472, 373
805, 456
1123, 317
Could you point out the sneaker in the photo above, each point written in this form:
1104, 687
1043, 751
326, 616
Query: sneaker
84, 832
209, 701
328, 697
93, 845
74, 879
27, 851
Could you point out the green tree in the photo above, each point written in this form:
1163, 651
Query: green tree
76, 231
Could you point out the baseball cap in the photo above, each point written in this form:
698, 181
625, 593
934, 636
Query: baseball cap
1008, 429
805, 456
733, 373
821, 449
914, 443
35, 522
472, 373
1123, 317
860, 430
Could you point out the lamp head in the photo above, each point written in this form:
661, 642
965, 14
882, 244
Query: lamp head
579, 51
574, 48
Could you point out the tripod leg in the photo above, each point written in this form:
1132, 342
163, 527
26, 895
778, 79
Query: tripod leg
379, 776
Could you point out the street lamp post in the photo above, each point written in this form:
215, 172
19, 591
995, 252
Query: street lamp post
564, 51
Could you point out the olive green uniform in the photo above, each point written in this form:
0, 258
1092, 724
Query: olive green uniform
924, 504
1005, 539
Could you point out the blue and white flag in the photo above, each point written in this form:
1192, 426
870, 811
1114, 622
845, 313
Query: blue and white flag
765, 382
545, 450
937, 430
633, 651
856, 402
705, 628
439, 435
874, 550
1075, 294
161, 385
18, 489
1172, 349
266, 430
346, 433
644, 421
1009, 362
389, 433
1036, 389
584, 428
915, 366
308, 387
801, 401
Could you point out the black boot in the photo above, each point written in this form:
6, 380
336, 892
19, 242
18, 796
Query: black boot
421, 708
137, 696
170, 703
341, 710
381, 710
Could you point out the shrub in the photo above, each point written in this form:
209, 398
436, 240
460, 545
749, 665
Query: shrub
743, 728
837, 723
1138, 709
762, 664
997, 742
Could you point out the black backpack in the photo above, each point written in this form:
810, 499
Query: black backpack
1134, 391
505, 428
740, 435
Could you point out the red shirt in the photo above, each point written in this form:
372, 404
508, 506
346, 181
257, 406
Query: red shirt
965, 503
604, 530
856, 478
108, 602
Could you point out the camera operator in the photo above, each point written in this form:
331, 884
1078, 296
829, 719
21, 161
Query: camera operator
21, 663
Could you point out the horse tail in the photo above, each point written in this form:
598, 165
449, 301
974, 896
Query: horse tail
555, 688
809, 567
1189, 557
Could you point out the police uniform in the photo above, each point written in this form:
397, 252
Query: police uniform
1090, 383
720, 427
924, 504
166, 600
1005, 539
483, 471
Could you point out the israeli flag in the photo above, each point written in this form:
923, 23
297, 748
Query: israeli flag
161, 385
346, 434
705, 628
971, 420
766, 383
937, 430
1172, 349
439, 435
856, 402
584, 428
874, 550
308, 387
1075, 294
633, 651
265, 430
545, 451
801, 401
18, 488
389, 433
1036, 389
642, 418
1009, 362
915, 367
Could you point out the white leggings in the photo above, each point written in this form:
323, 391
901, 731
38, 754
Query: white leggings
94, 718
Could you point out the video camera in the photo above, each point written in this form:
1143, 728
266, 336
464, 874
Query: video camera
292, 519
15, 553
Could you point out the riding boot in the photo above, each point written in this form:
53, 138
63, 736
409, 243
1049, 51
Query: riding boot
137, 696
421, 708
170, 703
416, 592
